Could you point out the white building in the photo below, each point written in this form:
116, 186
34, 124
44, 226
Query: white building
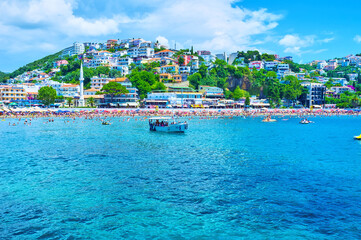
124, 70
69, 90
146, 52
99, 82
321, 65
184, 69
256, 64
222, 56
340, 90
232, 57
77, 48
125, 61
270, 65
282, 68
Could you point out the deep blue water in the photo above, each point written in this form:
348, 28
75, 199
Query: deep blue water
223, 179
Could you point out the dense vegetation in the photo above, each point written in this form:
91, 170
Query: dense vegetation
346, 100
145, 82
342, 72
70, 73
45, 64
47, 95
260, 83
114, 89
255, 56
3, 77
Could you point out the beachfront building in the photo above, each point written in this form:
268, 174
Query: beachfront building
90, 92
211, 92
69, 90
123, 100
99, 82
174, 98
315, 96
12, 94
160, 99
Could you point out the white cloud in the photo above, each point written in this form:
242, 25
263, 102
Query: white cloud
296, 41
45, 25
55, 16
357, 38
326, 40
294, 44
208, 24
163, 41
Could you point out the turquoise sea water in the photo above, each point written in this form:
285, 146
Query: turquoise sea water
223, 179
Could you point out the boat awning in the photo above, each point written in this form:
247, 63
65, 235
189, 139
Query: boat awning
155, 101
130, 104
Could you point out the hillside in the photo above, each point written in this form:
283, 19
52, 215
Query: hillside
44, 63
3, 77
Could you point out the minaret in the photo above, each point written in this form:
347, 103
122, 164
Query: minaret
81, 79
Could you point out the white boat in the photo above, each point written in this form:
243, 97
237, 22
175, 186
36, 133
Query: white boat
305, 121
167, 124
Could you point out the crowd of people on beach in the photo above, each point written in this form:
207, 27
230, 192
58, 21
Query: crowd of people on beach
178, 112
142, 114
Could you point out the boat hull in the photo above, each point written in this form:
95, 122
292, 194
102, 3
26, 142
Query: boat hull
171, 128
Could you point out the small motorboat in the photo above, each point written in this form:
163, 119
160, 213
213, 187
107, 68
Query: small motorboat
105, 123
167, 124
269, 119
305, 121
357, 137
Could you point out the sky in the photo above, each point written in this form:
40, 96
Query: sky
307, 30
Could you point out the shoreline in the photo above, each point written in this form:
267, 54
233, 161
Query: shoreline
98, 113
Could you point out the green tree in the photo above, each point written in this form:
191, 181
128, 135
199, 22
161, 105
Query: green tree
247, 101
91, 101
293, 89
103, 70
203, 70
159, 86
237, 93
3, 77
195, 80
181, 60
47, 95
69, 101
113, 89
293, 66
